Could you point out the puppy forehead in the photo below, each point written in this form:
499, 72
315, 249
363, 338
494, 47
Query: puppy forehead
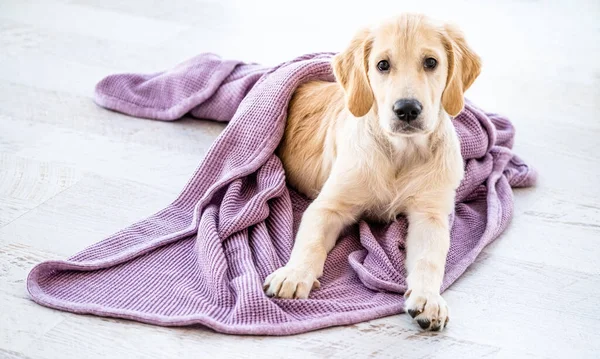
407, 35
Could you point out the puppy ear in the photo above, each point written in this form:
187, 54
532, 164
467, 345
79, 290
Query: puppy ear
350, 69
463, 68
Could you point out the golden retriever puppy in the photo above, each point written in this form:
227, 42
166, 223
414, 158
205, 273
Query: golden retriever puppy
377, 143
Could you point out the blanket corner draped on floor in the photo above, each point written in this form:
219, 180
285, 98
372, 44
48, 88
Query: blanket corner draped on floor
203, 259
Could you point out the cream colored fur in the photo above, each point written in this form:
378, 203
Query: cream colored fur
341, 147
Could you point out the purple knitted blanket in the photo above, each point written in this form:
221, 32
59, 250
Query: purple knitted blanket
203, 259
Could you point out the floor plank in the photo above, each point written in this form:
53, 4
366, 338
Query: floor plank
25, 184
108, 205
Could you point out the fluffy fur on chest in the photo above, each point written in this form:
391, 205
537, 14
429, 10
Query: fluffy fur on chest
388, 176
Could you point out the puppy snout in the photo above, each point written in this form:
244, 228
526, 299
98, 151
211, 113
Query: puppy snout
407, 109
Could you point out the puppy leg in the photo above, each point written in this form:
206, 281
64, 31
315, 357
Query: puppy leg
321, 224
427, 246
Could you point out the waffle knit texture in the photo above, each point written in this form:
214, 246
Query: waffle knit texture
203, 259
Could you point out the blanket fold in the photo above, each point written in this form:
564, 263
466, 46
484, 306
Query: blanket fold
203, 259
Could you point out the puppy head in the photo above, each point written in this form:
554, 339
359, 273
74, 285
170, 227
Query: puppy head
407, 70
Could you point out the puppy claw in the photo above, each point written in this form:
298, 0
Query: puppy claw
424, 323
413, 313
437, 326
316, 284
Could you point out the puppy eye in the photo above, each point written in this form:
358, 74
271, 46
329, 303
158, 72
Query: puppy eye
383, 66
430, 63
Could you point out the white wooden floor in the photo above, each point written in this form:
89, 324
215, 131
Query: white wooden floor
72, 173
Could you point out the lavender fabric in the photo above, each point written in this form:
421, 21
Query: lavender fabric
203, 259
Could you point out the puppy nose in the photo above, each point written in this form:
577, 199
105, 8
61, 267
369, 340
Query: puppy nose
407, 109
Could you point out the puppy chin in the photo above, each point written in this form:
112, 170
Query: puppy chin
404, 129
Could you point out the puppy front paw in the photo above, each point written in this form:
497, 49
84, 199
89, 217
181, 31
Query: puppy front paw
428, 309
290, 282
